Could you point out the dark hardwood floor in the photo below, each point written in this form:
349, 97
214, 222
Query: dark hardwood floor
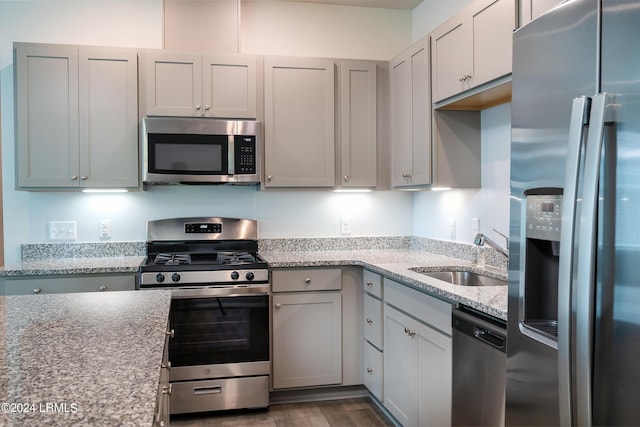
356, 412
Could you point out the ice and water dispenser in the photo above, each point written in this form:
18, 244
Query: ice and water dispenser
539, 307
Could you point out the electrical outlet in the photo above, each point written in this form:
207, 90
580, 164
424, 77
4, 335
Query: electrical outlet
104, 227
452, 229
62, 230
475, 227
345, 225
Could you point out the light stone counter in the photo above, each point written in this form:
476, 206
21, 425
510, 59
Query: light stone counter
81, 359
396, 264
65, 266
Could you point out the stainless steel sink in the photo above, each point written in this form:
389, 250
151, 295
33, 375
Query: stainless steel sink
463, 278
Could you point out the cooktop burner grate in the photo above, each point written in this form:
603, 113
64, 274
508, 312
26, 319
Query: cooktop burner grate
172, 259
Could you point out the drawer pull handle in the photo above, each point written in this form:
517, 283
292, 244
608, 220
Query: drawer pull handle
307, 280
171, 333
369, 283
278, 306
369, 320
37, 290
369, 370
207, 390
166, 389
103, 288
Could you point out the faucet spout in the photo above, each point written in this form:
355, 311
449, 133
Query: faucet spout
481, 240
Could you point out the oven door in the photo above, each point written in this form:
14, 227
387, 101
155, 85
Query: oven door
218, 336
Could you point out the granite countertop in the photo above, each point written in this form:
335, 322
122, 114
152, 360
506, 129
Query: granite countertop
396, 265
81, 265
81, 358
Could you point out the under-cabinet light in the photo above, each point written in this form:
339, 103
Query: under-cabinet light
105, 190
352, 190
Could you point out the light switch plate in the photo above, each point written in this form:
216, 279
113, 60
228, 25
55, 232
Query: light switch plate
62, 230
345, 225
104, 229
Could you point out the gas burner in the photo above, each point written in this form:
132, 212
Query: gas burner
172, 259
235, 258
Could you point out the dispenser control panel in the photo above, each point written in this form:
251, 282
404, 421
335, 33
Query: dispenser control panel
544, 215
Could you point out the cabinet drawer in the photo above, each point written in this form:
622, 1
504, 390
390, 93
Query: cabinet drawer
373, 365
373, 321
57, 285
423, 307
306, 280
372, 283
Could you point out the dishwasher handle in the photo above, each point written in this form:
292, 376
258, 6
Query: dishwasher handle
488, 330
489, 337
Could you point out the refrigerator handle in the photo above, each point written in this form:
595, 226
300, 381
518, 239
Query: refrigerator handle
587, 261
579, 118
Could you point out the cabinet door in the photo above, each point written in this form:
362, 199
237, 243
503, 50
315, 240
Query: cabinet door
229, 86
400, 364
434, 373
493, 23
452, 56
307, 339
411, 117
173, 84
358, 125
299, 123
47, 116
108, 90
373, 365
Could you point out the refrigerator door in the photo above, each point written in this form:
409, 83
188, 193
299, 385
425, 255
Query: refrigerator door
555, 60
617, 310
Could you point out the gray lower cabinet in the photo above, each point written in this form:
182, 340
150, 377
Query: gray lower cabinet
65, 284
373, 334
76, 117
417, 357
164, 389
307, 328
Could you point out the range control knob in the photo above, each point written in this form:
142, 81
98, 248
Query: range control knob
250, 276
175, 277
159, 277
235, 275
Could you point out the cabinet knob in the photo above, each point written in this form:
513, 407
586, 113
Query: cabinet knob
37, 290
206, 108
278, 306
74, 177
83, 177
369, 320
269, 178
369, 283
461, 78
347, 178
307, 280
406, 175
171, 333
103, 288
197, 107
166, 389
369, 370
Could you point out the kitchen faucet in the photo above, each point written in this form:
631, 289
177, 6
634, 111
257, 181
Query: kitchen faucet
481, 239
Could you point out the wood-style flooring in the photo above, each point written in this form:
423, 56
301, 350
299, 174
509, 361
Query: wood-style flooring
356, 412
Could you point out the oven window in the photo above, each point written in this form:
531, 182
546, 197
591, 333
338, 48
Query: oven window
188, 154
219, 330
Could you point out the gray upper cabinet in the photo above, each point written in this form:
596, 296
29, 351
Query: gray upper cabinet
532, 9
472, 48
299, 122
200, 86
358, 124
76, 117
411, 116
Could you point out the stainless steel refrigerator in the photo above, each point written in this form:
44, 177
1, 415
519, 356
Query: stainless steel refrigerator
574, 290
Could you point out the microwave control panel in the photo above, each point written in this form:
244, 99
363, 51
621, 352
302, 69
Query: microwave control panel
245, 154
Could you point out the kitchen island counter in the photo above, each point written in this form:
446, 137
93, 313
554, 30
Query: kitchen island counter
396, 264
65, 266
81, 358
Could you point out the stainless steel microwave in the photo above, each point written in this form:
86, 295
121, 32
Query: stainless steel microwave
200, 150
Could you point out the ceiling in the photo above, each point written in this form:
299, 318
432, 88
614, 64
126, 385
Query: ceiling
386, 4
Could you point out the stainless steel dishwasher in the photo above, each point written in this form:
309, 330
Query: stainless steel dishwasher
479, 369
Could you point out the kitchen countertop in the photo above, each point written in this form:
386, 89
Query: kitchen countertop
396, 265
82, 265
81, 358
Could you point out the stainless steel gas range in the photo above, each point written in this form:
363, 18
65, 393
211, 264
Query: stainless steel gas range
219, 318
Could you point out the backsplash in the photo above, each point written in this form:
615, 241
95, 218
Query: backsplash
43, 251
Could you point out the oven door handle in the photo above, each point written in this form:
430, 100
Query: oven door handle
197, 391
219, 291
